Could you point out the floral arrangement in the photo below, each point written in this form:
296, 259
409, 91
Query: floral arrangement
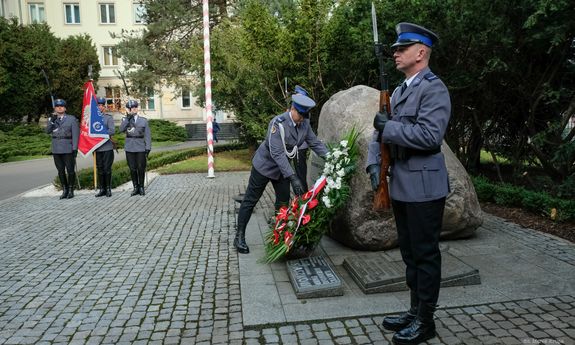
301, 224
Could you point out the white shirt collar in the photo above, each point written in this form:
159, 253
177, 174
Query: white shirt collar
408, 81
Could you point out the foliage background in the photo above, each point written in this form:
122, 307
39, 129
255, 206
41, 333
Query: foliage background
508, 64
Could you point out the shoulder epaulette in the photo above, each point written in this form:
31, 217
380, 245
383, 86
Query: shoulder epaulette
430, 76
280, 119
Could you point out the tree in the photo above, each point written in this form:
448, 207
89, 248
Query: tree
24, 52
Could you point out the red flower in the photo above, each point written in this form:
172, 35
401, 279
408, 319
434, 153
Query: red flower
276, 237
305, 219
287, 238
282, 213
281, 227
313, 203
307, 195
294, 204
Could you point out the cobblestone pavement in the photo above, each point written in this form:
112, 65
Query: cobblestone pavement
161, 269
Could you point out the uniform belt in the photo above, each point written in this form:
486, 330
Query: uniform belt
416, 152
135, 136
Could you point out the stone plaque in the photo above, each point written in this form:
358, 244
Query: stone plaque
378, 272
313, 277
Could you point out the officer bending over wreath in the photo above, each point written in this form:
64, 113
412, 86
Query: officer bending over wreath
286, 133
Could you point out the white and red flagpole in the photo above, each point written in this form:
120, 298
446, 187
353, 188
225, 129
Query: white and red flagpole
208, 87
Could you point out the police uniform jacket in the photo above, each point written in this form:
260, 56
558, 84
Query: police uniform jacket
138, 135
65, 133
419, 120
271, 159
109, 124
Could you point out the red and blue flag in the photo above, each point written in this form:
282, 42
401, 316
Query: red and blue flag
93, 132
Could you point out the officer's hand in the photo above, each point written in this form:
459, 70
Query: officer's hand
374, 170
130, 117
75, 153
53, 118
380, 120
147, 153
296, 185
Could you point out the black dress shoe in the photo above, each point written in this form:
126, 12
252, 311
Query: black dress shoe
241, 246
396, 323
417, 332
136, 191
101, 192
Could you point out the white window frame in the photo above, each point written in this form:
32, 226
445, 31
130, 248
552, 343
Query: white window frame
138, 20
37, 12
72, 6
109, 53
145, 103
107, 6
183, 96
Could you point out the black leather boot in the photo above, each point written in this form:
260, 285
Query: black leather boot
142, 182
71, 179
108, 179
142, 191
396, 323
64, 183
102, 190
136, 190
240, 240
421, 329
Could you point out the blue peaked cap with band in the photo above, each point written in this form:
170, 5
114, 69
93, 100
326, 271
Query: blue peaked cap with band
101, 100
408, 34
302, 104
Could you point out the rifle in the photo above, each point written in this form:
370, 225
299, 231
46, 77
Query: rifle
49, 87
381, 201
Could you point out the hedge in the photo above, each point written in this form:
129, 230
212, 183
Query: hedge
121, 172
537, 202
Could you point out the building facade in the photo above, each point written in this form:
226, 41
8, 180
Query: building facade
100, 19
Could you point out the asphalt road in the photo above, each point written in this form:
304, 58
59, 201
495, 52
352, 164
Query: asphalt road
19, 177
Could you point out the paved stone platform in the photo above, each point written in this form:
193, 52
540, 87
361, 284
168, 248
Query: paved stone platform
161, 269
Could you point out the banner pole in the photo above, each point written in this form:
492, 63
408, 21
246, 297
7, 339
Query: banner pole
208, 87
95, 175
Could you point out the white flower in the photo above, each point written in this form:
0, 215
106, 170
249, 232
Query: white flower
336, 154
343, 143
341, 172
326, 201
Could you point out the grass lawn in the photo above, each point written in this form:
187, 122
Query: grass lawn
239, 160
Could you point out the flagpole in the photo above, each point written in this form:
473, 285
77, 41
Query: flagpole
208, 87
94, 165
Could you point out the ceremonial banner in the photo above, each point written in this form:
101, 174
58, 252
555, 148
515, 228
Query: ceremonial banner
93, 133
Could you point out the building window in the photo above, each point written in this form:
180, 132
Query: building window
37, 13
72, 13
139, 13
110, 56
114, 99
186, 98
107, 14
148, 102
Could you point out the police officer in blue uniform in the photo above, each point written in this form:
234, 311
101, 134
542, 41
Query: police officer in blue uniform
65, 132
137, 146
419, 183
105, 153
271, 162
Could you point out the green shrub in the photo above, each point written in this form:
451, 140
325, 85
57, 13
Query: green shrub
163, 130
536, 202
121, 172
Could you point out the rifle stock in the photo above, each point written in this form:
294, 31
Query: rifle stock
381, 201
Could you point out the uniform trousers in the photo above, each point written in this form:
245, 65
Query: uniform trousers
64, 162
104, 161
137, 165
418, 229
301, 167
256, 186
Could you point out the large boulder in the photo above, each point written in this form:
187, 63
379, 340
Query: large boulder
359, 226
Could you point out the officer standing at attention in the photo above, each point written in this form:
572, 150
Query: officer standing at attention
419, 182
105, 153
65, 132
286, 132
138, 145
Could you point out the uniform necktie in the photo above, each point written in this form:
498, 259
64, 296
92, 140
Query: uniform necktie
403, 87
